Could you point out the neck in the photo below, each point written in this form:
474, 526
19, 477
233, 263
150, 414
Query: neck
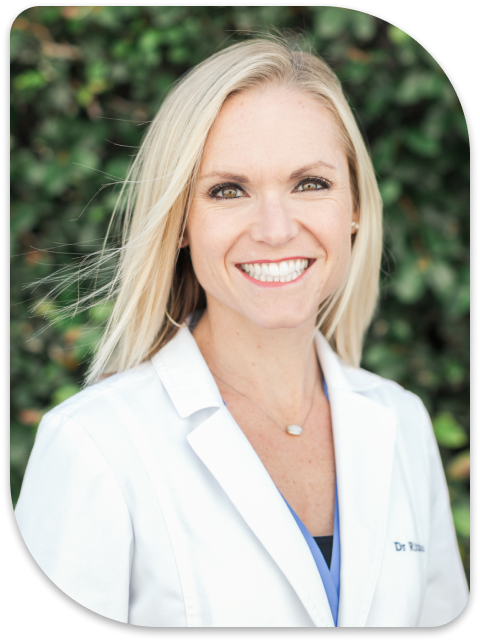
276, 367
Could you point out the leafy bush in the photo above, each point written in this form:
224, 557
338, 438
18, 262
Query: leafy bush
85, 80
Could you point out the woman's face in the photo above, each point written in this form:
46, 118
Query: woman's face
270, 224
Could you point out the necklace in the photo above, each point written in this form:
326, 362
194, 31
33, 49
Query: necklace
294, 430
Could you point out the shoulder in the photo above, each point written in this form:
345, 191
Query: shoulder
388, 393
98, 397
415, 441
89, 436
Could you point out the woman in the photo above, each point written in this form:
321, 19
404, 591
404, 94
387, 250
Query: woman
202, 483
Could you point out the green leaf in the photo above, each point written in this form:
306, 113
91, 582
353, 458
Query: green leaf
409, 283
385, 360
101, 312
441, 278
364, 25
23, 216
461, 125
448, 432
97, 71
422, 144
31, 80
398, 36
461, 518
62, 393
402, 330
150, 40
84, 96
390, 190
331, 21
383, 156
179, 55
419, 85
454, 373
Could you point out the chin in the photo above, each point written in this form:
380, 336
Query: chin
275, 320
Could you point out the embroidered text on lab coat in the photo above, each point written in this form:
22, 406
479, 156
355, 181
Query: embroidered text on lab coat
414, 547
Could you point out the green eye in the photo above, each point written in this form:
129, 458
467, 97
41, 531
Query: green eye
313, 184
228, 192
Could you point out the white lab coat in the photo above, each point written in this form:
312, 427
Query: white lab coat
144, 501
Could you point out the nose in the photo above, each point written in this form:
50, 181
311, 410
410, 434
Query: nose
274, 225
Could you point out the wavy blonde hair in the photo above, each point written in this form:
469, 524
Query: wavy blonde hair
154, 287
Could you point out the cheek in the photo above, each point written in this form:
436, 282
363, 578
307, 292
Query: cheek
208, 240
343, 255
335, 240
341, 243
332, 230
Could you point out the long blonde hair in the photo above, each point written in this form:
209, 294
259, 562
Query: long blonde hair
154, 287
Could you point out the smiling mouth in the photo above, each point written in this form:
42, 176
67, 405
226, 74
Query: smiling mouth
283, 271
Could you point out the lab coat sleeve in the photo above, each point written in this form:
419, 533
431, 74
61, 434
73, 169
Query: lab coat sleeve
74, 520
446, 590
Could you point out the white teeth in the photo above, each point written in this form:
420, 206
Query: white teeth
273, 269
282, 272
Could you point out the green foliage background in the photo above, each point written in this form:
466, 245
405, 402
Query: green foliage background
86, 79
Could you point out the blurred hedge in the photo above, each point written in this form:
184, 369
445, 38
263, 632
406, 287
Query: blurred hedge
84, 82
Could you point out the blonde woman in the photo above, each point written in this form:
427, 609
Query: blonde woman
237, 467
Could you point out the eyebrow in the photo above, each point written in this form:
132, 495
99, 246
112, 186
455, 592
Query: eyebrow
298, 173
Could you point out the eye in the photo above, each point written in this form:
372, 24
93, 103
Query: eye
313, 184
226, 192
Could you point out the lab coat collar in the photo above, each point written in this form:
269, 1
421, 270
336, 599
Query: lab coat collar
364, 436
185, 375
191, 386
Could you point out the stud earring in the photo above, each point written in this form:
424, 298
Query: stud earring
355, 226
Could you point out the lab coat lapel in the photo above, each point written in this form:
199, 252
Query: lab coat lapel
364, 437
364, 434
227, 453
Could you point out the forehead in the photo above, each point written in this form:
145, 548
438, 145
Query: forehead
275, 128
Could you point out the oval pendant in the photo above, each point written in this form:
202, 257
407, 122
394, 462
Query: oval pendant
294, 430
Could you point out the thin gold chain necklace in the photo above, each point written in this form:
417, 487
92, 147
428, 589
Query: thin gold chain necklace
293, 430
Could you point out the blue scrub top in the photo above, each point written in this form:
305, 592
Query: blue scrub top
330, 576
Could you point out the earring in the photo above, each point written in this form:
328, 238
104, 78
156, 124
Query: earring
355, 226
172, 321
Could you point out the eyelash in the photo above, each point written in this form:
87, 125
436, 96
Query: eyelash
326, 184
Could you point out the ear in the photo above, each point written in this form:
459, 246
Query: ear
355, 222
185, 240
